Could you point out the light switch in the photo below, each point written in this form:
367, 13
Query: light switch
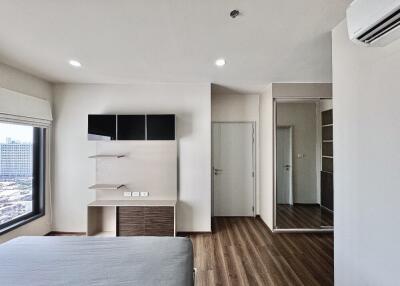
135, 194
144, 194
127, 194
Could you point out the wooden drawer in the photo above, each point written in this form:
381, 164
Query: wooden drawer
148, 221
159, 221
130, 221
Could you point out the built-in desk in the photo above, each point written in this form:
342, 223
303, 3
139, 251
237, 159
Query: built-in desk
131, 218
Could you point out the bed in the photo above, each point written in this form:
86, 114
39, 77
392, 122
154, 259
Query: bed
97, 261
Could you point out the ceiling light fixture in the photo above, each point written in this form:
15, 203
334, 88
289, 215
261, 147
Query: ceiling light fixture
75, 63
234, 13
220, 62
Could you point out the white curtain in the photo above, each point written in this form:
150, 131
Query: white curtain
24, 109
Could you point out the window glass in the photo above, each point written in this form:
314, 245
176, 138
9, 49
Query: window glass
21, 162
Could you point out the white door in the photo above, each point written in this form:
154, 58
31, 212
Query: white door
233, 167
284, 193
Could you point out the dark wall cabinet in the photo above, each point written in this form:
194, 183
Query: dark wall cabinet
131, 127
102, 127
161, 127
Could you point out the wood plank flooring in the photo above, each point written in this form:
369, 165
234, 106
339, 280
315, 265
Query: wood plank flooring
242, 251
302, 216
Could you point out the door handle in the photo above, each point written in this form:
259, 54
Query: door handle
287, 167
217, 171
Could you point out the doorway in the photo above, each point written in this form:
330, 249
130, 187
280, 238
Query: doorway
233, 167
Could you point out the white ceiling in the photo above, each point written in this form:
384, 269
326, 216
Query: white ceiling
128, 41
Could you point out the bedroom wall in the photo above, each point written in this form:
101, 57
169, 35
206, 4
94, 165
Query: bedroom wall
366, 131
240, 107
74, 172
16, 80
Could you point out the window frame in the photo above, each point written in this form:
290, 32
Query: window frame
38, 182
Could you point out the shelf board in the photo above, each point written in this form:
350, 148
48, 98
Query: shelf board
327, 141
106, 187
107, 156
327, 125
328, 157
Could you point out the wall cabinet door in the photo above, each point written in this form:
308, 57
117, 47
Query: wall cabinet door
101, 127
160, 127
131, 127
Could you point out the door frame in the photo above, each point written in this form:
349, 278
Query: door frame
254, 145
290, 127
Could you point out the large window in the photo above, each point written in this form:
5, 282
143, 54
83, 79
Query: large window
22, 175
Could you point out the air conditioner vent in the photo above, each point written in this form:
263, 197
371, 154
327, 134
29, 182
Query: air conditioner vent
380, 29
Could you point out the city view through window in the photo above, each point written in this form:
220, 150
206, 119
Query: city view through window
15, 171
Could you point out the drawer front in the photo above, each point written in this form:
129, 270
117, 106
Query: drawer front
130, 221
159, 221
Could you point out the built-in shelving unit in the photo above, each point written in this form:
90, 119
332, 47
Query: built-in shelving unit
110, 218
106, 156
327, 160
107, 187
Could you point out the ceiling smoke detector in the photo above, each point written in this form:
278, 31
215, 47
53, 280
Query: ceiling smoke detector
234, 14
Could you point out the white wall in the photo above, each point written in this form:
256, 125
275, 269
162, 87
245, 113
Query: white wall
366, 118
240, 107
13, 79
302, 117
25, 83
302, 90
266, 157
74, 172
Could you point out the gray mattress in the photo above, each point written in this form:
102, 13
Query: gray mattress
96, 261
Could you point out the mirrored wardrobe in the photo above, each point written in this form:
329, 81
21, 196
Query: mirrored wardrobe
303, 164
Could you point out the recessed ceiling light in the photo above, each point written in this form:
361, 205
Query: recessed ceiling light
220, 62
234, 13
75, 63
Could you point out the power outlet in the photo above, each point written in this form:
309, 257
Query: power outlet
127, 194
135, 194
144, 194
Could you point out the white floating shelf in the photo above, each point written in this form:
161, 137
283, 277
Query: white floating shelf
327, 141
328, 157
106, 187
107, 156
327, 125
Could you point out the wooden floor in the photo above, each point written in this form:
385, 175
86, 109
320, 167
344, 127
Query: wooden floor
242, 251
302, 216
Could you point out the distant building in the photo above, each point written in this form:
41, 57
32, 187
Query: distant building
15, 159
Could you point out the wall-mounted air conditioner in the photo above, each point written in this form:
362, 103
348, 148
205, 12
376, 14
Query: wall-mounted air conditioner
374, 22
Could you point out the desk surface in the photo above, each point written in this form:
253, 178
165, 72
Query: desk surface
140, 203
